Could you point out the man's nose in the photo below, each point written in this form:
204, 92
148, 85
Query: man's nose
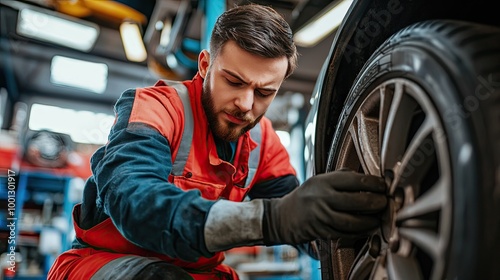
244, 101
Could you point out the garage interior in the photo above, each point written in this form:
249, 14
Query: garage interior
39, 93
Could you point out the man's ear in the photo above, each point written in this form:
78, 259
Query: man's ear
203, 63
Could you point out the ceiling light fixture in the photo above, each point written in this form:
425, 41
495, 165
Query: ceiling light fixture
51, 27
322, 25
77, 73
133, 42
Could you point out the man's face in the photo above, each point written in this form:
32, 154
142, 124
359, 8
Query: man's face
238, 88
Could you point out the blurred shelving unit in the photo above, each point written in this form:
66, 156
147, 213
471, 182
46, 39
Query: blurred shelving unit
35, 215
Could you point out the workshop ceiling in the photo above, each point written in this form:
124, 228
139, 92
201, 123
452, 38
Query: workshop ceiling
109, 47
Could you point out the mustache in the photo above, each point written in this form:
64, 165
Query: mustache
241, 115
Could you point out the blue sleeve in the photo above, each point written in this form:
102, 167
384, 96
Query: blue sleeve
277, 187
131, 175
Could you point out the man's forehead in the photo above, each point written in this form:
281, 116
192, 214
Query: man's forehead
234, 59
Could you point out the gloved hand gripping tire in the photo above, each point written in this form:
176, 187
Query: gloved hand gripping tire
326, 206
330, 205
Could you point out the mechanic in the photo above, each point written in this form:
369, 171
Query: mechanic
193, 168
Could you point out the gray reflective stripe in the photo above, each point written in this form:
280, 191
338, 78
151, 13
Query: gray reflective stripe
124, 268
253, 161
187, 135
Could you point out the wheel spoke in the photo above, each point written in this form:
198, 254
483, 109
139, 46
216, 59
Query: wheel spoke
418, 157
353, 132
403, 268
385, 104
396, 129
363, 264
424, 239
429, 202
368, 143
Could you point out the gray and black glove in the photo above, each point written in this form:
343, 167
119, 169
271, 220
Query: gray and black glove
330, 205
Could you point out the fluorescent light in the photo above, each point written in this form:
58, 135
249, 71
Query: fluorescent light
320, 27
83, 126
132, 42
81, 74
54, 29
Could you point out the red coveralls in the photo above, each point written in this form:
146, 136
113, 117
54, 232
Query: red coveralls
217, 181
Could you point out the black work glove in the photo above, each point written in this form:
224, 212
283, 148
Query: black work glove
326, 206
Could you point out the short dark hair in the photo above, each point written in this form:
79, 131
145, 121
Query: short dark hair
257, 29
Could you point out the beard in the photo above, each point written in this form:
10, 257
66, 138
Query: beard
226, 131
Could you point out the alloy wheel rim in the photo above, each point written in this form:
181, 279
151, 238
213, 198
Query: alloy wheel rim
397, 133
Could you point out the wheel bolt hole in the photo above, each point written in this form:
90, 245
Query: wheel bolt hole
375, 245
388, 176
399, 198
394, 244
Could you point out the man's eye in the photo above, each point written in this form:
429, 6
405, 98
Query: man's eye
259, 93
233, 83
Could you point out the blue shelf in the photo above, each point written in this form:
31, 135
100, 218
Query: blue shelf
37, 187
46, 182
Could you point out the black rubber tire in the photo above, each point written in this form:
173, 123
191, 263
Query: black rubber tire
451, 60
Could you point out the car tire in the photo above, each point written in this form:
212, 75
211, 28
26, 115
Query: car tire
424, 114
